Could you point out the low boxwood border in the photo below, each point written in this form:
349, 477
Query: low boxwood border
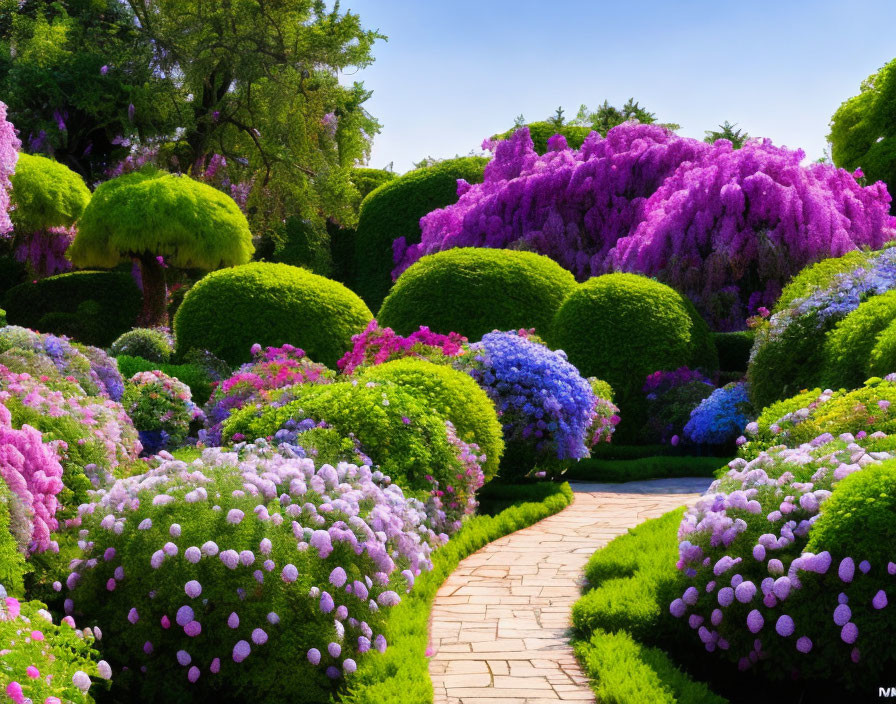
401, 674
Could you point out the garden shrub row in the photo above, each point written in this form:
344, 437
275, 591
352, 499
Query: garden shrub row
401, 673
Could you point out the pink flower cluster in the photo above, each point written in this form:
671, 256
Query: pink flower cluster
9, 155
31, 469
378, 345
727, 227
449, 504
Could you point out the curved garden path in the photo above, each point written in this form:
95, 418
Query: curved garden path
499, 624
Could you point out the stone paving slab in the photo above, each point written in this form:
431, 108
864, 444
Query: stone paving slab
499, 623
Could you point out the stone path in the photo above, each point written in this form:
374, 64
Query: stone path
499, 625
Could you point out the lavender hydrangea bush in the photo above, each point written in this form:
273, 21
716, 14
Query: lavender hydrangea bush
753, 216
249, 575
9, 154
754, 592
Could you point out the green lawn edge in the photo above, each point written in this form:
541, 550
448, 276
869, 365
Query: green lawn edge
401, 674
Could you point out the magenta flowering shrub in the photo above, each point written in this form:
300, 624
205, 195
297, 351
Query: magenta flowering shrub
754, 594
43, 662
726, 227
378, 345
247, 575
157, 402
261, 381
31, 470
9, 154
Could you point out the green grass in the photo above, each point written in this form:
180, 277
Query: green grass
401, 674
597, 469
624, 615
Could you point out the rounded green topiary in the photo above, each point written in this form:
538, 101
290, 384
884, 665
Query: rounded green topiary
270, 304
150, 214
783, 364
375, 415
455, 396
45, 194
849, 346
367, 180
622, 327
394, 210
94, 307
473, 291
149, 343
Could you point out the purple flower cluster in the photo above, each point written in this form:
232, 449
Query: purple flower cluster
753, 592
232, 556
9, 155
44, 250
753, 217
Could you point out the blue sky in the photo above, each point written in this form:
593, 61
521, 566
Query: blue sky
453, 73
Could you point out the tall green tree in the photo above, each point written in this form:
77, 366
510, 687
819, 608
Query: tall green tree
606, 117
727, 131
80, 82
863, 129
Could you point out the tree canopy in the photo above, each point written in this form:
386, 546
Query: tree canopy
727, 131
45, 194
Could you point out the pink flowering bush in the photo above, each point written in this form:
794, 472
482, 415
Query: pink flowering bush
262, 381
9, 148
761, 589
250, 574
753, 216
43, 662
158, 403
31, 470
378, 345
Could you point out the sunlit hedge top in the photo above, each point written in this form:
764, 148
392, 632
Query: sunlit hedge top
189, 223
45, 194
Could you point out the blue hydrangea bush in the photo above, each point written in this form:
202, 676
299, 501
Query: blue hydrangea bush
721, 418
251, 574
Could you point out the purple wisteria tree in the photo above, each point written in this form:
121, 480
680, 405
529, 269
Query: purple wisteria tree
726, 227
9, 154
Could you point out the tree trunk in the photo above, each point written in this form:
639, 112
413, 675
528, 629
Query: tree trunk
152, 273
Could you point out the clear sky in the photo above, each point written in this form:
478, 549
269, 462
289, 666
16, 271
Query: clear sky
453, 73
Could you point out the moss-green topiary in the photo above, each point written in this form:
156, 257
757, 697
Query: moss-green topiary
394, 210
270, 304
848, 347
94, 307
455, 396
149, 214
541, 132
474, 290
45, 194
622, 327
150, 343
367, 180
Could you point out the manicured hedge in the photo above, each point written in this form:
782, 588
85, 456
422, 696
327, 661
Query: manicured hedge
45, 194
622, 327
473, 291
192, 375
401, 674
394, 210
603, 470
92, 307
367, 180
734, 349
150, 343
456, 396
270, 304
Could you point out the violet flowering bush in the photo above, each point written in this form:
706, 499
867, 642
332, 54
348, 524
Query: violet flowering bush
761, 591
156, 402
721, 417
249, 574
261, 381
9, 155
44, 662
378, 345
753, 216
31, 470
546, 407
44, 251
670, 398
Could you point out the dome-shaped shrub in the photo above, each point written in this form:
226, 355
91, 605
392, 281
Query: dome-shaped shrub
251, 575
394, 212
152, 344
849, 346
398, 428
45, 194
270, 304
473, 291
622, 327
455, 396
367, 180
787, 354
